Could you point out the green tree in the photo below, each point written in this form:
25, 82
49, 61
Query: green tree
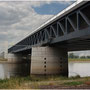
71, 55
88, 56
76, 56
82, 57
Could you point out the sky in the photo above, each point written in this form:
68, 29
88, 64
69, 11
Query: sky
19, 18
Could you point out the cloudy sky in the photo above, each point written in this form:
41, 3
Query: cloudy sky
19, 18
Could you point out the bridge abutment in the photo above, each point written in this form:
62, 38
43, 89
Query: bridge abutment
49, 60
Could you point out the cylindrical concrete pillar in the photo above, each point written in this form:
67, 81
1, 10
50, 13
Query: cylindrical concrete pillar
49, 60
14, 57
17, 65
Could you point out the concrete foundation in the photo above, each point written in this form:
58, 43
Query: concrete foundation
49, 60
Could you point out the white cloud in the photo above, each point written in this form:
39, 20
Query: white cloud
17, 19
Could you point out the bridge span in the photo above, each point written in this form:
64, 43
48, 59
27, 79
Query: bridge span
48, 45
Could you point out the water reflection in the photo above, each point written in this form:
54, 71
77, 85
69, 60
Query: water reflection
23, 69
79, 68
8, 70
2, 72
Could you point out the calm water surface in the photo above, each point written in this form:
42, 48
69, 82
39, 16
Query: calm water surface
75, 68
79, 68
2, 72
8, 70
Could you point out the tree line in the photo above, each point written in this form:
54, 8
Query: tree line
71, 55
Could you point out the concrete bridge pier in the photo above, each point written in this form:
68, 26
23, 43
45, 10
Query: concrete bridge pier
14, 57
49, 60
17, 65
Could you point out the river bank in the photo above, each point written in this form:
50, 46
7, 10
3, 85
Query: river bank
69, 59
46, 82
78, 60
2, 59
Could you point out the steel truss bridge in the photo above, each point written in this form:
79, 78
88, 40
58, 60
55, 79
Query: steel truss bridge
69, 29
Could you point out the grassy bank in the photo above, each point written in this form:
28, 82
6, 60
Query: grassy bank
35, 82
70, 59
78, 59
1, 59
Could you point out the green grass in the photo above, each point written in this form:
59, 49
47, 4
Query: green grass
18, 82
1, 59
36, 81
78, 59
70, 59
73, 83
14, 82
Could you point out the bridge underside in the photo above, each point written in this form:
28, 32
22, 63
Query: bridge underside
78, 44
71, 45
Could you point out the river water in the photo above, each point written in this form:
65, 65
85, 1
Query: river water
79, 68
75, 68
8, 70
